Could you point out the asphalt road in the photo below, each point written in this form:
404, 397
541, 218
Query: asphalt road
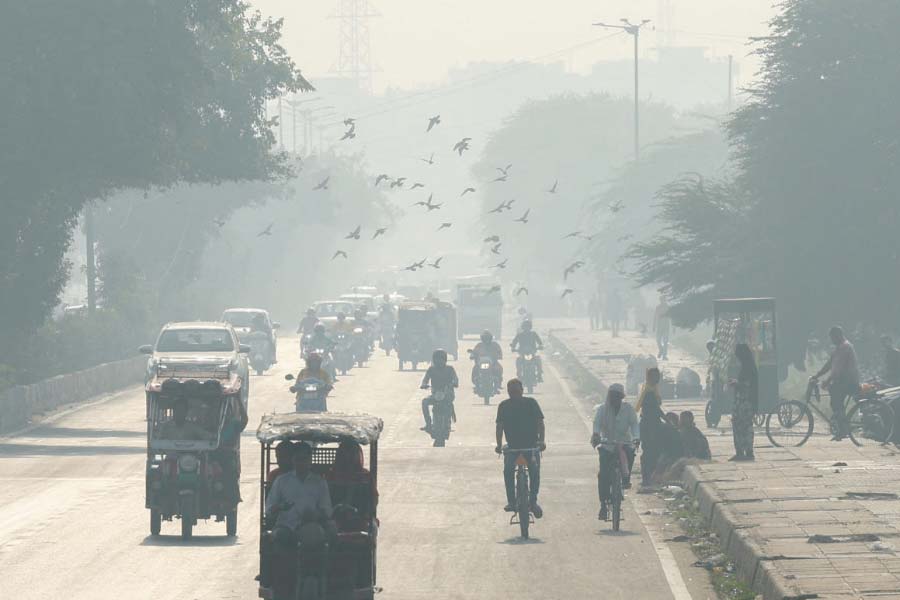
73, 523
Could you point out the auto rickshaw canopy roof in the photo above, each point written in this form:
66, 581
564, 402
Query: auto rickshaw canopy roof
319, 427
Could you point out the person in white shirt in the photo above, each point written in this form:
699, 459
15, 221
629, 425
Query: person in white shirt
615, 424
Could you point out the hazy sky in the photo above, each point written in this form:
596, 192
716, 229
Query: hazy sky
415, 42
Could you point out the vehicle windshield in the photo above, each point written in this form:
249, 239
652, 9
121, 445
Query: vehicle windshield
201, 422
332, 309
240, 318
366, 302
195, 340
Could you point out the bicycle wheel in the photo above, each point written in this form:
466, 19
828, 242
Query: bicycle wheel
759, 419
789, 425
523, 502
871, 422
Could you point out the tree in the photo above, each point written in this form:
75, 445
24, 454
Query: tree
813, 208
100, 96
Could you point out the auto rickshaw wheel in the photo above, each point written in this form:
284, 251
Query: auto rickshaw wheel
155, 522
259, 372
187, 525
231, 523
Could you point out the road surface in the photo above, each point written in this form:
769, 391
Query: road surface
73, 523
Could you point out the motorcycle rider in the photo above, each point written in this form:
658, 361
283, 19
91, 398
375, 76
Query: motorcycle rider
261, 324
441, 376
490, 348
527, 341
314, 370
359, 320
320, 339
342, 325
308, 323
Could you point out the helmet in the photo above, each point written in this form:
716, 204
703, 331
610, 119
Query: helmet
616, 389
341, 316
319, 328
439, 357
310, 312
487, 337
526, 325
313, 358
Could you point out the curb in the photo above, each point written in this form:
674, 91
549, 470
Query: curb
753, 566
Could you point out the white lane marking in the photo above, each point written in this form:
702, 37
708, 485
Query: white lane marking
663, 553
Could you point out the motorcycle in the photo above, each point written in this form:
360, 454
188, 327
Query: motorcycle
442, 414
528, 372
260, 352
360, 347
311, 394
486, 383
387, 339
343, 353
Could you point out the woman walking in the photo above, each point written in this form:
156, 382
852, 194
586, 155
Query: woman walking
649, 404
746, 400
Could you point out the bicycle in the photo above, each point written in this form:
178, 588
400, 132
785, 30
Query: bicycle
617, 489
522, 515
792, 423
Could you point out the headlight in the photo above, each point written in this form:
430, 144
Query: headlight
188, 462
529, 356
358, 330
485, 365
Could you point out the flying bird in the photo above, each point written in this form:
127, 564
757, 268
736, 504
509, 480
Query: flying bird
339, 253
500, 178
552, 190
589, 237
566, 292
499, 209
466, 191
445, 226
493, 238
522, 290
398, 183
381, 178
574, 234
508, 204
431, 206
505, 170
421, 263
436, 264
462, 145
493, 290
429, 160
219, 222
354, 235
495, 249
616, 207
572, 268
435, 120
501, 264
349, 135
323, 185
417, 185
523, 218
350, 122
379, 232
266, 231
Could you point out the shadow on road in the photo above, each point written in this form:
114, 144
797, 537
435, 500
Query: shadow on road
518, 541
63, 450
620, 533
75, 432
194, 542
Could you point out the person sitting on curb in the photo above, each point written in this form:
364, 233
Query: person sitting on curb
692, 439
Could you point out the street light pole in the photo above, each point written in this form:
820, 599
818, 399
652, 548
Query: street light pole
633, 30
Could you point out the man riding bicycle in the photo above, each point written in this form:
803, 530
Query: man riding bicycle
522, 421
615, 426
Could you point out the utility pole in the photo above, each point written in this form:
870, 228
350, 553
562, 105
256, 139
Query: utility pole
91, 266
633, 30
280, 126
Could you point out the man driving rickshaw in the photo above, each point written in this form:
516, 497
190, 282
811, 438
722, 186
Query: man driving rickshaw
318, 521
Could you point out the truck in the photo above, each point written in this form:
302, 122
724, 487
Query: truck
479, 306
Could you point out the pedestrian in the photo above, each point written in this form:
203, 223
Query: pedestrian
842, 380
649, 405
891, 361
662, 325
615, 310
692, 439
746, 400
594, 312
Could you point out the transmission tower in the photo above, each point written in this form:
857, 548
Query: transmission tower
355, 53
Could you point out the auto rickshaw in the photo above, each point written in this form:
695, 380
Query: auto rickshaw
343, 565
418, 333
193, 453
750, 321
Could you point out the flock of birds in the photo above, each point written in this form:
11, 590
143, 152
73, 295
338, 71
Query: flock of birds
399, 183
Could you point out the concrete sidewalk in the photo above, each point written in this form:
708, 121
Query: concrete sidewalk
819, 521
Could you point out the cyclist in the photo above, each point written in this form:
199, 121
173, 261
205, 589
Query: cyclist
615, 423
522, 421
843, 379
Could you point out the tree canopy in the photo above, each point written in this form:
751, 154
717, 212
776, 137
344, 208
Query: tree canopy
103, 95
811, 213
